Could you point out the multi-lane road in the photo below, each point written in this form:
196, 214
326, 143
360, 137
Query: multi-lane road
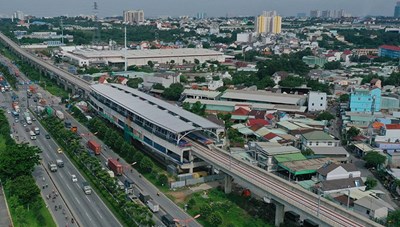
88, 210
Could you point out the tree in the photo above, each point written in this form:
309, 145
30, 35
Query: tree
325, 116
24, 188
146, 165
150, 63
332, 65
183, 79
18, 160
196, 61
158, 86
374, 159
292, 81
199, 79
134, 82
393, 219
352, 132
173, 92
163, 179
344, 98
215, 218
371, 183
307, 152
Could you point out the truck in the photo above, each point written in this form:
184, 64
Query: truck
115, 166
15, 106
60, 163
128, 186
39, 96
52, 166
60, 115
86, 188
37, 130
168, 220
153, 206
15, 113
94, 146
27, 118
74, 129
144, 197
32, 134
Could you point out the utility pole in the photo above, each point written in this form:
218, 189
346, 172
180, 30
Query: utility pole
62, 31
125, 50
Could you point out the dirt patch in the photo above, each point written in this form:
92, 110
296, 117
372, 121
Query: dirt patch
179, 196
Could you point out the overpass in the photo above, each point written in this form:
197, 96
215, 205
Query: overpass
70, 81
280, 192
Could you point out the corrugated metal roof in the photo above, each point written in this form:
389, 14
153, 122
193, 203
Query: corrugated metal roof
146, 110
290, 157
209, 94
262, 96
317, 135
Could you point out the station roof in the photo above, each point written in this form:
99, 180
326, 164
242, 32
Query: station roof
208, 94
153, 109
262, 96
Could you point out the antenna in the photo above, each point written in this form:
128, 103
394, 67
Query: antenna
62, 31
96, 34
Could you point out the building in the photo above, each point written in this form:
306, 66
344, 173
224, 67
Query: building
263, 97
365, 51
317, 101
318, 139
200, 94
142, 57
365, 99
389, 51
158, 125
201, 16
268, 22
389, 133
165, 79
315, 13
134, 16
19, 15
372, 207
397, 10
334, 171
313, 61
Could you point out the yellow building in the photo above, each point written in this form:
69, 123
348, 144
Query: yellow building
277, 25
260, 24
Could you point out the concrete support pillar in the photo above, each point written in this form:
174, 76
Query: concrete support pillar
279, 213
228, 184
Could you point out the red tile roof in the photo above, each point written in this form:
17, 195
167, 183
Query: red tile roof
270, 116
270, 136
389, 47
252, 122
240, 111
393, 126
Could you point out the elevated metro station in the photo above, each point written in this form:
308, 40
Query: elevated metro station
157, 124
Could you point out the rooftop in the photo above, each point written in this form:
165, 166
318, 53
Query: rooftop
208, 94
329, 151
262, 96
317, 135
389, 47
304, 166
372, 203
342, 183
159, 112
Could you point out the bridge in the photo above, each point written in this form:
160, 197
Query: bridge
70, 81
285, 195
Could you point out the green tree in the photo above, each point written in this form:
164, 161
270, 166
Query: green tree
325, 116
134, 82
173, 92
332, 65
374, 159
163, 179
150, 63
344, 98
393, 219
199, 79
146, 165
183, 79
215, 218
371, 183
307, 152
352, 132
18, 160
158, 86
292, 81
24, 188
196, 61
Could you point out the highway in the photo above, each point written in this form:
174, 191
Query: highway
72, 79
329, 212
88, 210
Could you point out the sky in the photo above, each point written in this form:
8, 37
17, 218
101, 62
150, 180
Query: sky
153, 8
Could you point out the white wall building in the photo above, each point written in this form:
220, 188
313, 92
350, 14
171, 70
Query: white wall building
164, 79
317, 101
214, 84
134, 16
335, 172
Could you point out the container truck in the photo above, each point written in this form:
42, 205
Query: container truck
60, 115
32, 134
153, 206
168, 220
60, 163
94, 146
37, 130
144, 197
27, 118
115, 166
52, 166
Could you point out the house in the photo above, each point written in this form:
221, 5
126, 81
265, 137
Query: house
279, 76
365, 99
372, 207
318, 139
376, 83
341, 185
389, 133
317, 101
335, 171
103, 79
258, 114
122, 80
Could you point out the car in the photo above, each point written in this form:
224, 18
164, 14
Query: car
24, 125
47, 136
59, 150
16, 120
74, 178
33, 119
8, 111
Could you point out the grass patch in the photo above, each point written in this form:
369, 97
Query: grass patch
216, 201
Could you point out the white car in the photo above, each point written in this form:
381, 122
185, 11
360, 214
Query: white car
74, 179
8, 111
